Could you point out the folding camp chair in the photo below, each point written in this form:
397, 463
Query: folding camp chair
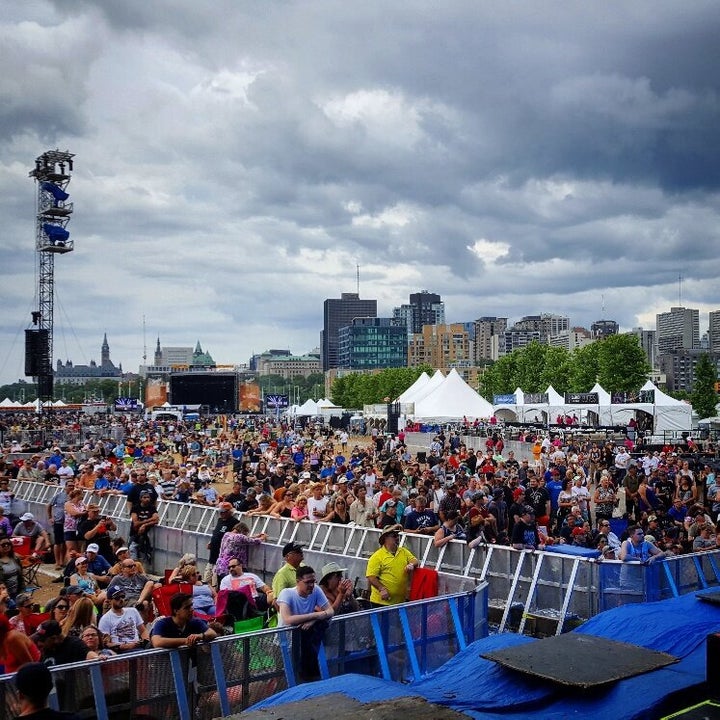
30, 562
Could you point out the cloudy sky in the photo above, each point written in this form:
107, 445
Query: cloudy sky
235, 162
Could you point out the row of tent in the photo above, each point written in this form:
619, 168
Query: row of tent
449, 398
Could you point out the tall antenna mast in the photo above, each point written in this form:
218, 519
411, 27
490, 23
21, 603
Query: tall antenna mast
357, 269
679, 290
144, 344
602, 304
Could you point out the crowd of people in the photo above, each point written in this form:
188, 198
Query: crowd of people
598, 497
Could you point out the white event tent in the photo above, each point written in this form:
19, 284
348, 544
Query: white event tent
414, 389
451, 400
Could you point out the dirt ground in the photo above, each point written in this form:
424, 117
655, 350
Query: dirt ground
330, 707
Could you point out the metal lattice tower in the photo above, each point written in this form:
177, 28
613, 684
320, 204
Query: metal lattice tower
52, 174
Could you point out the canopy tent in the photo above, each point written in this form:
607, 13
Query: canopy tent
430, 386
453, 399
415, 388
668, 414
307, 409
326, 404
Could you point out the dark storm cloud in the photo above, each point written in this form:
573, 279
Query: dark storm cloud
236, 161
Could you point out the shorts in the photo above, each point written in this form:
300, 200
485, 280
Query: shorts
58, 533
70, 535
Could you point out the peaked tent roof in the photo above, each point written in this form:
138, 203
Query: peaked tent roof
452, 400
430, 386
309, 407
420, 383
554, 397
660, 397
603, 394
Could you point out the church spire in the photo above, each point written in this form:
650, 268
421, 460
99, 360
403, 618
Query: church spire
105, 353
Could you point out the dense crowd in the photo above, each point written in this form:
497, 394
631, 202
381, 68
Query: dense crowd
600, 498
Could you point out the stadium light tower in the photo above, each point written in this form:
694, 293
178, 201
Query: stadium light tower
52, 174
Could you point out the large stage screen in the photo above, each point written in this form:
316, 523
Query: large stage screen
218, 391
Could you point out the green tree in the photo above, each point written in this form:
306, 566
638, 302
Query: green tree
584, 368
622, 363
499, 378
530, 366
557, 369
703, 397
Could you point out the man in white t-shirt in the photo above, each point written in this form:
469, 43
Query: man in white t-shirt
237, 579
317, 503
122, 626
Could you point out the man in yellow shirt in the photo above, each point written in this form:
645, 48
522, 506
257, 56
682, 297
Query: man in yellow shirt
389, 570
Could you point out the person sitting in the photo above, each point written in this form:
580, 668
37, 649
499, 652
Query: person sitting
122, 627
82, 579
39, 539
138, 588
181, 629
57, 649
204, 596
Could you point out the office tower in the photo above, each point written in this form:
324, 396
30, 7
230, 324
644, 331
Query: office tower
372, 344
678, 329
337, 313
603, 328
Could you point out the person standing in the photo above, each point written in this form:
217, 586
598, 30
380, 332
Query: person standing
286, 576
306, 607
56, 515
389, 570
225, 522
34, 684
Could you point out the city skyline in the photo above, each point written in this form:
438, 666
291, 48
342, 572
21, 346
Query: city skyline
234, 166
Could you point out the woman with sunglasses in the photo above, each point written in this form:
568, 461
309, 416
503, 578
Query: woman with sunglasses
59, 609
284, 506
86, 582
339, 512
10, 569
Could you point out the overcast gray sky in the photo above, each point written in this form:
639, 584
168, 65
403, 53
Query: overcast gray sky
235, 161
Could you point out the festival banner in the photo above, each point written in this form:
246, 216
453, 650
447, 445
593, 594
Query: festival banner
582, 398
639, 396
276, 402
503, 399
536, 399
249, 398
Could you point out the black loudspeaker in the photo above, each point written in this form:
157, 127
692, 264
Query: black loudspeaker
45, 387
37, 353
393, 418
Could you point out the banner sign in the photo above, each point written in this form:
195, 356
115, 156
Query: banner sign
582, 398
503, 399
125, 404
536, 398
640, 396
277, 401
249, 398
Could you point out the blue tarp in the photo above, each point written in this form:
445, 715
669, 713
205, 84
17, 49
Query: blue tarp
482, 689
573, 550
55, 233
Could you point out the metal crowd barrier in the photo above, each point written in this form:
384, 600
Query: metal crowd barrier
401, 643
523, 585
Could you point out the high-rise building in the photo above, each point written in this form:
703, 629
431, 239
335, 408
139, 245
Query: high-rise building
337, 313
648, 342
424, 308
489, 332
372, 344
679, 367
714, 331
678, 329
440, 346
604, 328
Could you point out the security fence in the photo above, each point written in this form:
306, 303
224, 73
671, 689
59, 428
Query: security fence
523, 585
401, 643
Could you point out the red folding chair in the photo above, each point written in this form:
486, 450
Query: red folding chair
161, 596
30, 563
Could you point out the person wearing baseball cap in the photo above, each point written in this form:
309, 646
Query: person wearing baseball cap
98, 566
34, 684
525, 533
389, 569
286, 576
